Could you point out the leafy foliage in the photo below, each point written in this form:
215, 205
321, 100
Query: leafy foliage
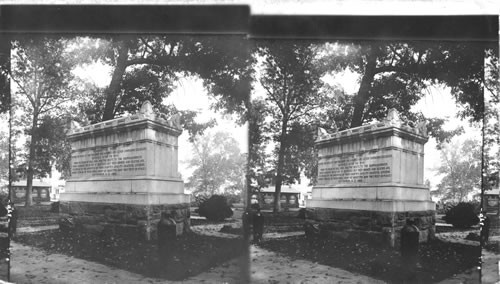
144, 67
463, 215
41, 72
435, 128
219, 165
53, 148
461, 166
300, 156
395, 74
215, 208
291, 84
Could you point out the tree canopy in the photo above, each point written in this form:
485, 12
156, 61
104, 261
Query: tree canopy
145, 67
461, 167
396, 74
219, 166
292, 85
41, 72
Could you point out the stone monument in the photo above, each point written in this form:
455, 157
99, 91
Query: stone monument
370, 180
124, 175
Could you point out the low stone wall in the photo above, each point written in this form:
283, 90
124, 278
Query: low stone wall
128, 218
370, 226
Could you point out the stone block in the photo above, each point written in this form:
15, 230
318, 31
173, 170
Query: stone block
370, 180
125, 174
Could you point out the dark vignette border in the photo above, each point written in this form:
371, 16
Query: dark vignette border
204, 19
468, 28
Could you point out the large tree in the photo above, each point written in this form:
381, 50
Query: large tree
461, 167
145, 67
42, 76
292, 85
396, 74
219, 166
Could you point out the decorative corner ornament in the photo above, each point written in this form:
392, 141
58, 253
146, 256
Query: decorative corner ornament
147, 109
422, 128
393, 118
176, 120
74, 125
322, 133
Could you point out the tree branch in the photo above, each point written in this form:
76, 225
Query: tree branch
273, 96
54, 106
23, 89
150, 47
395, 52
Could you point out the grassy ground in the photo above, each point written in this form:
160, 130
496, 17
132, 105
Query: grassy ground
190, 255
194, 254
438, 260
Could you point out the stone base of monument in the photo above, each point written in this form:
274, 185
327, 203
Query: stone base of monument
375, 227
135, 221
124, 174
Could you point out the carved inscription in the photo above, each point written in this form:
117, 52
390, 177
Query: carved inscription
355, 169
109, 162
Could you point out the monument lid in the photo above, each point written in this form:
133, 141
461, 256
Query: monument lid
146, 114
391, 123
379, 129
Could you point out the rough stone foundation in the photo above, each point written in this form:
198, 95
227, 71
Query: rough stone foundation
370, 226
125, 219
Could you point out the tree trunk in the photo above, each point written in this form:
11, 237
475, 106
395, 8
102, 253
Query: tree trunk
31, 159
281, 165
113, 90
363, 95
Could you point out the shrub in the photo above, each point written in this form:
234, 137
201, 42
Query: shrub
462, 215
55, 207
215, 208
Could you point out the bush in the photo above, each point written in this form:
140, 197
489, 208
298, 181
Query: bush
462, 215
55, 207
215, 208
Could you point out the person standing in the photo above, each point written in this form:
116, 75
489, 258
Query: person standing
258, 225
